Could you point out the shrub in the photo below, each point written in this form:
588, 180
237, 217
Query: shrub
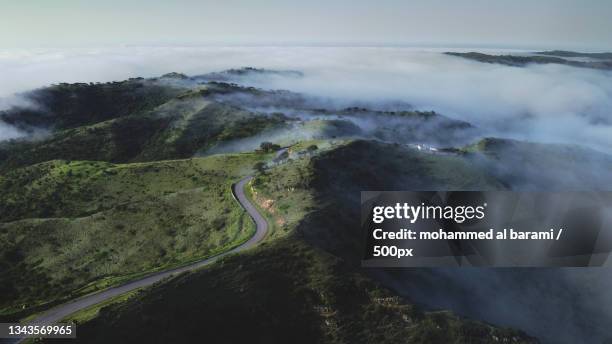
269, 147
260, 167
312, 148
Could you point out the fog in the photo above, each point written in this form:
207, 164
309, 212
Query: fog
392, 122
542, 103
9, 132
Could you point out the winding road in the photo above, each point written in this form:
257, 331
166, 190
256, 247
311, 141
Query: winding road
58, 313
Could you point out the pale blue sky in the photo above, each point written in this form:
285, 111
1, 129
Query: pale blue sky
515, 23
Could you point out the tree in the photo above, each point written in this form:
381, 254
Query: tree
283, 156
260, 167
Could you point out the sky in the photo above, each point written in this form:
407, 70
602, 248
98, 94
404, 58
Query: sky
567, 24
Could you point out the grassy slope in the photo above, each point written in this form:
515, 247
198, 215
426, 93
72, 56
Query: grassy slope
73, 227
288, 289
211, 123
178, 127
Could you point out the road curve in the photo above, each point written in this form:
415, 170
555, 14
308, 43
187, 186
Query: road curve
58, 313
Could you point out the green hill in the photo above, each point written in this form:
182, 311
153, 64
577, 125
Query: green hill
65, 106
175, 129
309, 192
73, 227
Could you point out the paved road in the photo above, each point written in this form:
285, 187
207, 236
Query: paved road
58, 313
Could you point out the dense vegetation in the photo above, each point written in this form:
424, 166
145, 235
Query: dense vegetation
67, 106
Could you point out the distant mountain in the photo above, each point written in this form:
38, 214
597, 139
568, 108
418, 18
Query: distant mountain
522, 60
565, 53
241, 74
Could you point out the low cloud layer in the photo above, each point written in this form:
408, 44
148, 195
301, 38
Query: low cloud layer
546, 103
